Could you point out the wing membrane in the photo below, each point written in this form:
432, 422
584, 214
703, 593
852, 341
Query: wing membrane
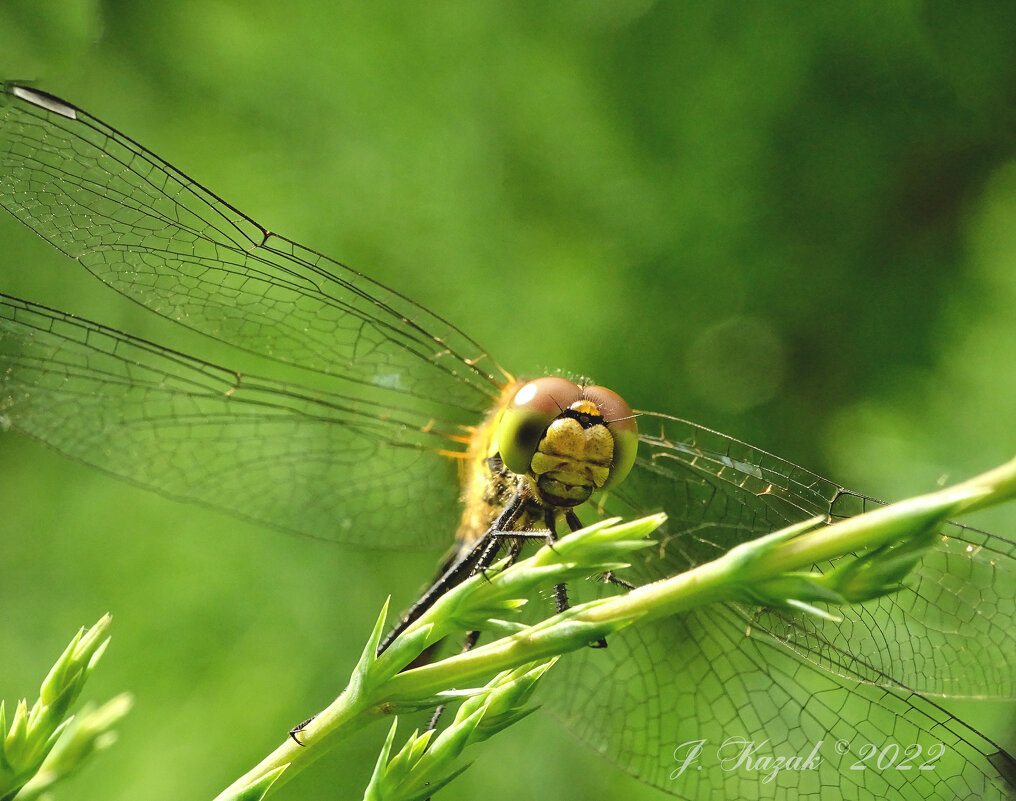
151, 232
298, 459
783, 682
947, 632
730, 691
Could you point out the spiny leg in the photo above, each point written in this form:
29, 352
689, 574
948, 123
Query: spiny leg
515, 540
560, 591
477, 559
467, 645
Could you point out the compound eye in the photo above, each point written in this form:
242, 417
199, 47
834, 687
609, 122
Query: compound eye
620, 421
526, 419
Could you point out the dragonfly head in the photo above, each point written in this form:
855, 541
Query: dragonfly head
569, 440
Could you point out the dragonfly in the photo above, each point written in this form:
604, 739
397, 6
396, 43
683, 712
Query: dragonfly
358, 426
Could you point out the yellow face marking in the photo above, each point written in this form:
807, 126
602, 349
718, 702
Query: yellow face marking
573, 461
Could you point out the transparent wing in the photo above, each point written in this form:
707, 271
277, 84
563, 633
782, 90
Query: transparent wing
947, 632
298, 459
155, 235
783, 682
702, 723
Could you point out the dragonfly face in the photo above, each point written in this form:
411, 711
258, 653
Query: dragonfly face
381, 399
569, 440
550, 439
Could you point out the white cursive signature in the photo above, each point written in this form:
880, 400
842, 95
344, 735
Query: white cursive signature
741, 753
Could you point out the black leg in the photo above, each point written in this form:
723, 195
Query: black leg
477, 558
575, 524
480, 556
611, 578
467, 645
560, 590
572, 520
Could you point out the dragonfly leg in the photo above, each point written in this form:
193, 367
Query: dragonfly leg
610, 577
461, 567
464, 565
299, 727
484, 561
477, 559
560, 591
470, 640
512, 541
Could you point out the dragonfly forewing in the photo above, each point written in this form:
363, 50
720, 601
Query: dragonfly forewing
160, 238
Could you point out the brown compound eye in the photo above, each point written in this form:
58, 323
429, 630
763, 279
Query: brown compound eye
526, 419
620, 421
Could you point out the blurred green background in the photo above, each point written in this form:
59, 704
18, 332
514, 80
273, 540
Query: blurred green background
792, 223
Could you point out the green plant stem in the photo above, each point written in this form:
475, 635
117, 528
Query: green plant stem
708, 583
889, 523
345, 716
